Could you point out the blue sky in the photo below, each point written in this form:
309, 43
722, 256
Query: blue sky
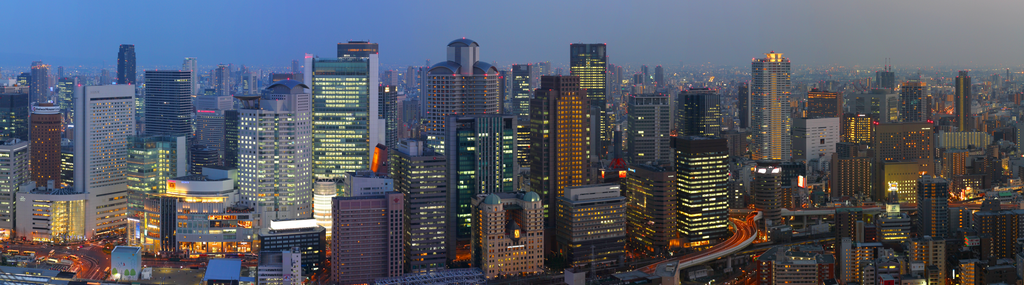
272, 33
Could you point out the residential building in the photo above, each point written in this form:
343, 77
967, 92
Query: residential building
932, 252
795, 265
933, 207
770, 116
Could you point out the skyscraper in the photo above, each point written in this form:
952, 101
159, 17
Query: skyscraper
648, 123
168, 103
521, 89
220, 80
277, 181
882, 104
699, 113
886, 79
766, 187
462, 85
346, 125
39, 87
46, 128
824, 104
126, 64
743, 99
589, 62
388, 112
933, 207
104, 122
702, 171
857, 128
16, 172
211, 131
374, 257
962, 102
913, 102
650, 209
65, 98
419, 173
190, 64
591, 224
769, 107
659, 76
231, 123
559, 139
901, 142
14, 112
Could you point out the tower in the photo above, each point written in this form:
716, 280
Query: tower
190, 64
743, 98
168, 105
702, 171
766, 188
39, 86
648, 123
914, 105
46, 127
559, 139
769, 107
104, 123
962, 102
521, 89
462, 85
126, 64
589, 62
419, 173
699, 113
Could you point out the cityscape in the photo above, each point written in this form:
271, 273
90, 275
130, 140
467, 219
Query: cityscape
578, 142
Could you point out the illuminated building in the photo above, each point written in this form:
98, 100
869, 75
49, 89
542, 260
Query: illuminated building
852, 257
914, 105
591, 225
901, 176
795, 265
15, 163
523, 141
508, 234
67, 162
650, 210
1002, 226
769, 108
954, 164
962, 102
276, 181
963, 140
521, 89
744, 105
461, 85
376, 256
168, 107
420, 174
647, 129
878, 103
589, 63
893, 225
559, 139
56, 214
46, 128
388, 111
850, 176
14, 113
481, 155
200, 214
932, 252
702, 173
105, 121
846, 224
857, 128
699, 113
126, 64
152, 160
824, 104
766, 187
324, 190
231, 120
65, 98
904, 142
305, 234
814, 140
39, 87
933, 207
347, 121
280, 267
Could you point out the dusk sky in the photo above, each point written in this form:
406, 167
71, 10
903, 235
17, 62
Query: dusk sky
272, 33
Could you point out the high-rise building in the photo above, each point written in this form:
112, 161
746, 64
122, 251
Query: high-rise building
168, 104
824, 104
886, 79
105, 121
523, 141
559, 139
461, 85
302, 234
152, 160
211, 131
766, 187
814, 141
388, 111
743, 100
850, 176
589, 62
419, 173
277, 181
1003, 226
376, 256
65, 98
67, 162
857, 128
591, 225
701, 165
39, 87
769, 108
933, 207
14, 112
481, 154
231, 123
914, 105
201, 156
191, 65
659, 76
46, 129
931, 251
881, 104
213, 102
126, 64
962, 102
893, 226
963, 140
808, 264
521, 89
508, 234
648, 129
901, 142
651, 205
699, 113
846, 224
220, 80
16, 165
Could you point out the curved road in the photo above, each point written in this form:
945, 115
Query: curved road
743, 231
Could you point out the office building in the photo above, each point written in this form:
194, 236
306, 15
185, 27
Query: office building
168, 107
743, 102
154, 159
65, 98
698, 112
16, 172
521, 89
461, 85
651, 200
846, 224
14, 113
420, 174
824, 104
305, 234
67, 163
850, 176
885, 79
198, 214
701, 165
523, 142
105, 121
190, 64
364, 183
276, 181
881, 104
589, 63
807, 264
893, 226
857, 128
814, 141
63, 214
231, 123
211, 131
39, 84
380, 237
766, 188
201, 156
560, 140
46, 129
220, 80
900, 177
388, 112
769, 108
280, 267
963, 140
481, 155
914, 105
213, 102
591, 225
962, 102
648, 128
126, 64
933, 207
508, 234
901, 142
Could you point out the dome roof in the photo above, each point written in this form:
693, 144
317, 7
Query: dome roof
463, 42
493, 199
290, 83
531, 197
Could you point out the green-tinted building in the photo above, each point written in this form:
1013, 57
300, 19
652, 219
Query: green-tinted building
151, 161
589, 62
14, 116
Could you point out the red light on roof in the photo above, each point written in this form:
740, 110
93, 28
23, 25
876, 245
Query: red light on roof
931, 122
876, 123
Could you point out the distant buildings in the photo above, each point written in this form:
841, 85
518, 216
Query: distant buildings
914, 105
380, 238
857, 128
770, 116
461, 85
649, 126
881, 104
508, 234
590, 227
824, 104
521, 89
126, 64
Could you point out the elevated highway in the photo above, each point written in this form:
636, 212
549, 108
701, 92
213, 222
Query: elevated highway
744, 234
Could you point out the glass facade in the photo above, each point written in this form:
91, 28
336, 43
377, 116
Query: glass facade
341, 110
14, 116
482, 160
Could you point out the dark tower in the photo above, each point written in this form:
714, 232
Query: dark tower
743, 99
962, 104
126, 64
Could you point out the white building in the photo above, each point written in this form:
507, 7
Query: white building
207, 218
51, 214
105, 119
275, 152
769, 107
280, 268
15, 164
814, 141
215, 103
365, 183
